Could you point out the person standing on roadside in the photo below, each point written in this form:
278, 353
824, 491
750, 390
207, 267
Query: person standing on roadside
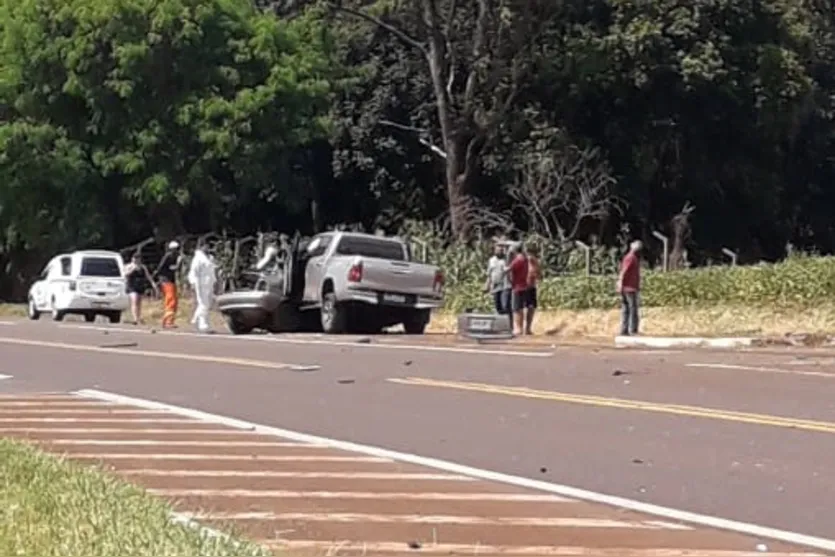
497, 283
202, 276
629, 288
136, 273
518, 273
167, 274
534, 275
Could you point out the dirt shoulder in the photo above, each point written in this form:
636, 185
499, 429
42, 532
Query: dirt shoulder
713, 321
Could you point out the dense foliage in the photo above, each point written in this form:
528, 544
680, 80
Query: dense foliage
799, 282
712, 121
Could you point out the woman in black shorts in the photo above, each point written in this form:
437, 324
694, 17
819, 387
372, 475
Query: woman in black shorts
135, 276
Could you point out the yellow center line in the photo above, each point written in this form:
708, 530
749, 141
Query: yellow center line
626, 404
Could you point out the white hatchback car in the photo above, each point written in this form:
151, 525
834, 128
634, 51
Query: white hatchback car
87, 283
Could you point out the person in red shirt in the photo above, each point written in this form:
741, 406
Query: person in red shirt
629, 288
518, 272
534, 274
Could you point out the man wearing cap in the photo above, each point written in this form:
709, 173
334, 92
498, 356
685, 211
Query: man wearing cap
167, 275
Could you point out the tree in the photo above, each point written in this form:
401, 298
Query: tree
477, 59
170, 100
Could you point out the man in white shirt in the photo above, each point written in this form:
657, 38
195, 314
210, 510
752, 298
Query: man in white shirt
498, 283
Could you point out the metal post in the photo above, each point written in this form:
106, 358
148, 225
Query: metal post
587, 249
666, 243
423, 248
732, 255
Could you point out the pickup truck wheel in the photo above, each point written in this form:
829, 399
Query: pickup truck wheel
334, 315
416, 321
114, 317
236, 327
32, 310
89, 317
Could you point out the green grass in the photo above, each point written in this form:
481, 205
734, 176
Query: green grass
51, 506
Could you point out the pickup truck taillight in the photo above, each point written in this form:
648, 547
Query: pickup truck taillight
438, 282
355, 273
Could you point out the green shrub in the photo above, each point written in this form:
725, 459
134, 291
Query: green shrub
799, 281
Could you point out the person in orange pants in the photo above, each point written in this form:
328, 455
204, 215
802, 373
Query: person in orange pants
167, 274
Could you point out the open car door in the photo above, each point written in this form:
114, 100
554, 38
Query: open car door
290, 265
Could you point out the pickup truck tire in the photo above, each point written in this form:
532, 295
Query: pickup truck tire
236, 327
416, 321
334, 315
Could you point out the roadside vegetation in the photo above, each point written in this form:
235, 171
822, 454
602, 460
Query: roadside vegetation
710, 123
50, 506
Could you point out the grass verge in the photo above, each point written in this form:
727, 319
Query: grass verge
51, 506
710, 321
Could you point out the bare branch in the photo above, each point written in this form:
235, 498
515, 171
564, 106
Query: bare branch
431, 146
403, 126
559, 192
405, 38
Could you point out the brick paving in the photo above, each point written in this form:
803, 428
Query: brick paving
314, 500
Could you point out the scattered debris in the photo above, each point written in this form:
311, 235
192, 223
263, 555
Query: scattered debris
414, 545
543, 470
637, 461
345, 381
761, 547
364, 340
407, 363
618, 372
304, 368
120, 345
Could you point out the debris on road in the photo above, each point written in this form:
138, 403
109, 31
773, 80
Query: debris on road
345, 381
305, 368
120, 345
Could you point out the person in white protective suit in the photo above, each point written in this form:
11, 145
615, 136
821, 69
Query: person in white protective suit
202, 276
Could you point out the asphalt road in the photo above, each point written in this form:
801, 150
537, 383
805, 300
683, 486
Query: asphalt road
748, 436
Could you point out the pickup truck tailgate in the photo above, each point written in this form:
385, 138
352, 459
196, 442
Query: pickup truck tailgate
398, 276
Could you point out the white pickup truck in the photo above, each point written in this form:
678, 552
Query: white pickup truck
363, 283
337, 282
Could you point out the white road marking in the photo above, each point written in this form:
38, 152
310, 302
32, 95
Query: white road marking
114, 421
23, 411
276, 474
163, 443
378, 345
149, 353
8, 323
510, 550
62, 399
550, 522
371, 495
226, 457
60, 430
764, 369
477, 473
2, 376
85, 407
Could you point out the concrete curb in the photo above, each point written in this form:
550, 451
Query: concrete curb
683, 342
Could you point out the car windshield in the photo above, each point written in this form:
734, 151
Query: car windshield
371, 247
100, 267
